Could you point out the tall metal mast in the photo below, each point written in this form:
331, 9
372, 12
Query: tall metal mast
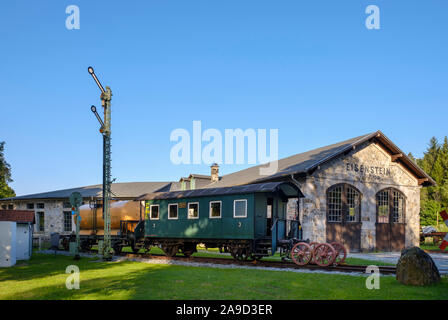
106, 97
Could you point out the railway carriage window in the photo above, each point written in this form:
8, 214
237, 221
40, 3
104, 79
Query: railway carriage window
343, 203
172, 211
215, 209
154, 212
390, 206
193, 210
240, 208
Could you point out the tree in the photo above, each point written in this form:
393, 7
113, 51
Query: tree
5, 175
435, 163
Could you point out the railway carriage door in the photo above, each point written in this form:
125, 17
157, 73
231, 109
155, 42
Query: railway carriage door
260, 216
344, 216
269, 217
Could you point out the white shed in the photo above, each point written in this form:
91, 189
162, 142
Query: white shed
16, 236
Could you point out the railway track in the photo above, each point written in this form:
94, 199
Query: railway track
261, 263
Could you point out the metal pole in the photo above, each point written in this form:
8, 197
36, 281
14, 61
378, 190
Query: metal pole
78, 222
106, 97
107, 179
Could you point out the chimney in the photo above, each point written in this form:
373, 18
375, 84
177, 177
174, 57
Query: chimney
214, 172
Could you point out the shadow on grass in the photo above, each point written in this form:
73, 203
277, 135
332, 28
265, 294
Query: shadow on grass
45, 265
138, 280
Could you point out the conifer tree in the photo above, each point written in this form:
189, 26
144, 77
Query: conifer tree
5, 175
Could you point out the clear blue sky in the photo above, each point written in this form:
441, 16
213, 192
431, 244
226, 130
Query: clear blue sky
309, 68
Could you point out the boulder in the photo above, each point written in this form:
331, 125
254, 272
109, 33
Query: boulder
415, 267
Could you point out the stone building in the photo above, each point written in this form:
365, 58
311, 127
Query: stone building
53, 210
363, 192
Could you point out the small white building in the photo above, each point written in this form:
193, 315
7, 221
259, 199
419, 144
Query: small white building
16, 236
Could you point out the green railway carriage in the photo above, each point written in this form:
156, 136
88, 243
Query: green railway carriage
247, 221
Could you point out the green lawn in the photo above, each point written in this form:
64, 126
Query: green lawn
43, 277
429, 246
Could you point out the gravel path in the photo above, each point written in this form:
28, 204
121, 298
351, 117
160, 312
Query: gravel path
440, 259
209, 265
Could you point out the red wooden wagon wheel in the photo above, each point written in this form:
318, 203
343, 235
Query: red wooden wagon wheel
324, 254
341, 253
301, 253
313, 246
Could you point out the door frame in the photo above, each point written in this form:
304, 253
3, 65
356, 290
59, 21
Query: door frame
393, 227
344, 226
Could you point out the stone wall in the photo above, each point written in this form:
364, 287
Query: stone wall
370, 169
53, 216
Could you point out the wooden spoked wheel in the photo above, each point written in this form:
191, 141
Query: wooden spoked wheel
241, 254
324, 254
313, 246
301, 253
117, 248
86, 246
188, 249
134, 248
187, 253
170, 251
255, 257
341, 253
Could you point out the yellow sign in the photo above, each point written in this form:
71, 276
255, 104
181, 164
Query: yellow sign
351, 212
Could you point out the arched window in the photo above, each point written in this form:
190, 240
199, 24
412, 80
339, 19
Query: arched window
343, 203
390, 205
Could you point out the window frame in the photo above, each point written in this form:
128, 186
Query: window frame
150, 211
210, 209
188, 210
177, 211
245, 208
39, 225
69, 213
66, 205
391, 191
344, 203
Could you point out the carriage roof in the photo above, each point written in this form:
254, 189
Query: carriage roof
288, 189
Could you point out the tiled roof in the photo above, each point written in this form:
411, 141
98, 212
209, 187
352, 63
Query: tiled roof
250, 188
304, 163
119, 190
23, 216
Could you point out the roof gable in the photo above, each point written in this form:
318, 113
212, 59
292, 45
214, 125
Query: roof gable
305, 163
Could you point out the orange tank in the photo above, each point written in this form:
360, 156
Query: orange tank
119, 211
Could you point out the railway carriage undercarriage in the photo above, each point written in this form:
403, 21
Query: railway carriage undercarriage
248, 222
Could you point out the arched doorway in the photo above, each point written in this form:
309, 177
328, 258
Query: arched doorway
344, 216
390, 220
